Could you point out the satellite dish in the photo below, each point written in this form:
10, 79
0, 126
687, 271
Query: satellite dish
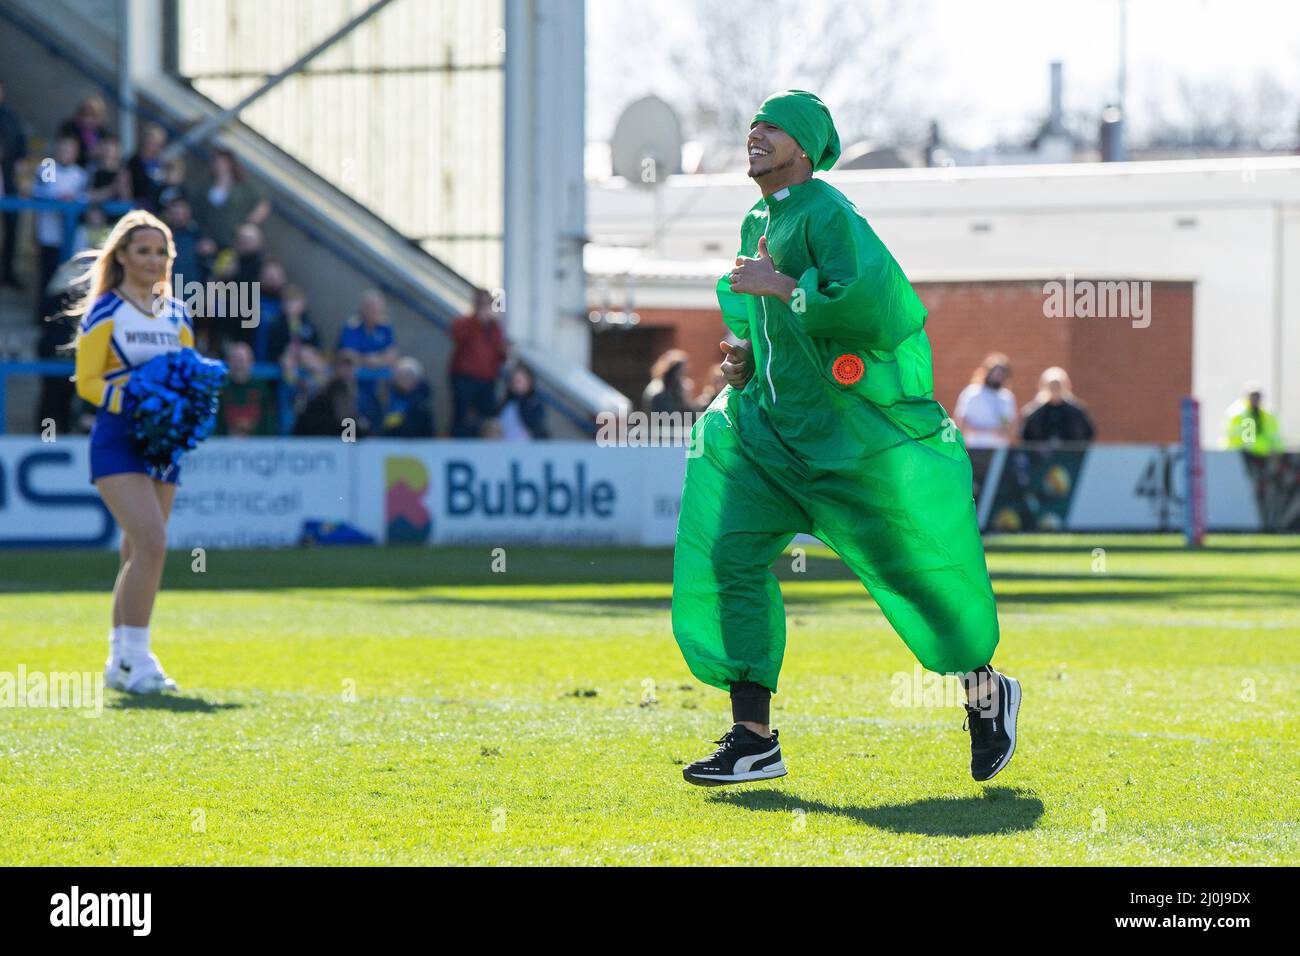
647, 144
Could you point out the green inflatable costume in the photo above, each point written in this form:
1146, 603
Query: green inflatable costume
838, 435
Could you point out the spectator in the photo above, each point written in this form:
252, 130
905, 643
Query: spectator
241, 262
109, 180
173, 187
410, 406
241, 265
669, 388
13, 151
1056, 415
478, 352
295, 345
717, 382
270, 286
58, 392
368, 339
91, 233
491, 429
986, 408
522, 416
294, 341
190, 265
87, 127
1247, 426
247, 404
61, 179
146, 168
329, 411
230, 201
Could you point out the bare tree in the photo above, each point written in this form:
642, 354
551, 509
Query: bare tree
723, 59
1213, 114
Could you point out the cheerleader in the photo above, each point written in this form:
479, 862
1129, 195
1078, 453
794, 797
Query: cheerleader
126, 318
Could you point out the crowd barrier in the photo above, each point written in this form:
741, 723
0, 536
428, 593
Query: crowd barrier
273, 492
265, 371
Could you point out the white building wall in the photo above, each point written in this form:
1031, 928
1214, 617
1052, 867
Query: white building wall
1233, 227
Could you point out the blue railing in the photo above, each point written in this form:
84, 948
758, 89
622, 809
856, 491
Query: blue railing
71, 211
440, 319
264, 371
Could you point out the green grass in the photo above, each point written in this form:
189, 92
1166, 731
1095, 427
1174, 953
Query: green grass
1161, 722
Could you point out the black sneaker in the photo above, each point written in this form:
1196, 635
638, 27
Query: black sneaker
742, 755
993, 729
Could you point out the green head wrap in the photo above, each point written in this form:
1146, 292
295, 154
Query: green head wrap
806, 118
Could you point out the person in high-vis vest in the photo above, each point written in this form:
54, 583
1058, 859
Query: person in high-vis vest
837, 434
1248, 427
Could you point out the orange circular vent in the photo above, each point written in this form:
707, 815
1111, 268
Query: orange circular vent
848, 369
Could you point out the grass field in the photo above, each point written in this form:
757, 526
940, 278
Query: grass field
386, 706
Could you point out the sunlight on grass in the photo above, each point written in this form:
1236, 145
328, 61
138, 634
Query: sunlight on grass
390, 706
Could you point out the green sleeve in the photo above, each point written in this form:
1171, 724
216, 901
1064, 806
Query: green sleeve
854, 291
739, 311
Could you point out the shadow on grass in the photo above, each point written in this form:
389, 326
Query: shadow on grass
174, 702
1200, 593
397, 566
997, 810
1119, 542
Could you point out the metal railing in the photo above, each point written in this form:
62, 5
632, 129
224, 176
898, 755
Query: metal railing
70, 210
262, 371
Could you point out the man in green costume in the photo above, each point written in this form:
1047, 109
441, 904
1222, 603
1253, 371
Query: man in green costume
835, 433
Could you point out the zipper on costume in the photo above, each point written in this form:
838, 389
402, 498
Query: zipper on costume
763, 302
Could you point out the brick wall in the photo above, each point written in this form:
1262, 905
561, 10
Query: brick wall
1130, 378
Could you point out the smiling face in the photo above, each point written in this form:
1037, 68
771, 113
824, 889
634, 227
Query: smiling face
771, 150
143, 258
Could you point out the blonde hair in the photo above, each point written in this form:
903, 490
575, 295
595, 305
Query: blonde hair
1054, 374
105, 272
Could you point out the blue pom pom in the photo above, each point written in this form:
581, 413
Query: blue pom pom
171, 402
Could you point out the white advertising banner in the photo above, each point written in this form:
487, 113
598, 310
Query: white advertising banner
46, 498
1230, 502
461, 492
271, 492
1126, 488
264, 492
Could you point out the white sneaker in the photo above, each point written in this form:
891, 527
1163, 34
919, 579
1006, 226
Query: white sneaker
144, 676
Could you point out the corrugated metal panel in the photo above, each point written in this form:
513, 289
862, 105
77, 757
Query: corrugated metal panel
405, 114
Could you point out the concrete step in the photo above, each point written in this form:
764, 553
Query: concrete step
19, 336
